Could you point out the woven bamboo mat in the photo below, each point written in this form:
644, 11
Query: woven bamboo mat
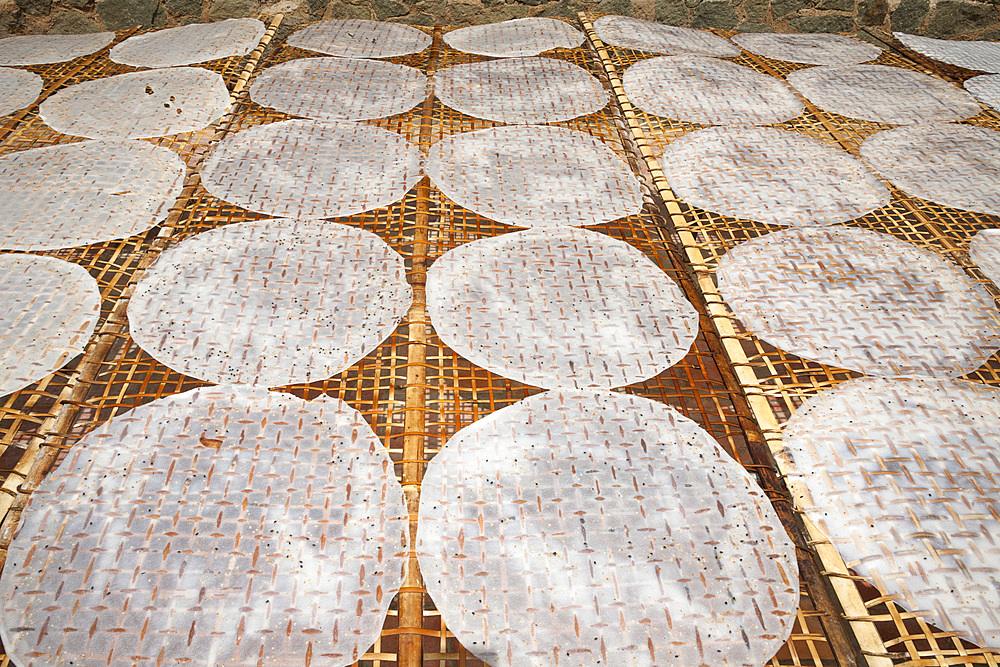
776, 382
415, 392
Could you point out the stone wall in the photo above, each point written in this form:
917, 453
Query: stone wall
936, 18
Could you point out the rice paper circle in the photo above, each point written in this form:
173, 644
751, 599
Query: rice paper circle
769, 175
225, 526
953, 165
883, 94
360, 38
48, 310
535, 176
808, 48
642, 35
709, 91
983, 56
86, 192
190, 44
340, 88
984, 250
270, 302
560, 308
45, 49
517, 37
150, 103
903, 476
985, 88
306, 169
520, 90
860, 300
604, 529
18, 89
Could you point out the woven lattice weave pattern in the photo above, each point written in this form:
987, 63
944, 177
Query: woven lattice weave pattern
220, 526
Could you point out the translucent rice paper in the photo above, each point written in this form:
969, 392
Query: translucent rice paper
189, 44
340, 88
984, 250
861, 300
150, 103
904, 477
48, 309
75, 194
641, 35
982, 56
709, 91
44, 49
811, 49
520, 90
306, 169
18, 89
954, 165
223, 526
270, 302
535, 176
359, 38
985, 88
883, 94
560, 308
596, 528
773, 176
518, 37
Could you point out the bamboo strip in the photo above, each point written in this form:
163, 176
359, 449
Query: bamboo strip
411, 596
872, 648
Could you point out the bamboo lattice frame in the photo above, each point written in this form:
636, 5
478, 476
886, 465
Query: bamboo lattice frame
776, 382
415, 392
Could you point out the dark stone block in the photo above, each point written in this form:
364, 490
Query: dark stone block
72, 23
781, 8
824, 23
623, 7
714, 14
754, 27
672, 12
232, 9
35, 7
184, 7
952, 18
122, 14
909, 15
872, 12
385, 9
755, 10
838, 5
340, 10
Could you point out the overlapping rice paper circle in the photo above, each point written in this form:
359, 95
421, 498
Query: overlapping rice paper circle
270, 302
18, 89
86, 192
520, 90
221, 526
861, 300
308, 169
190, 44
560, 308
709, 91
148, 103
45, 49
517, 37
48, 310
642, 35
808, 48
903, 475
535, 176
970, 54
360, 38
770, 175
340, 88
604, 529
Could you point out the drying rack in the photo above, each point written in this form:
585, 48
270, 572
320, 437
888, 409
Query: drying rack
416, 392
